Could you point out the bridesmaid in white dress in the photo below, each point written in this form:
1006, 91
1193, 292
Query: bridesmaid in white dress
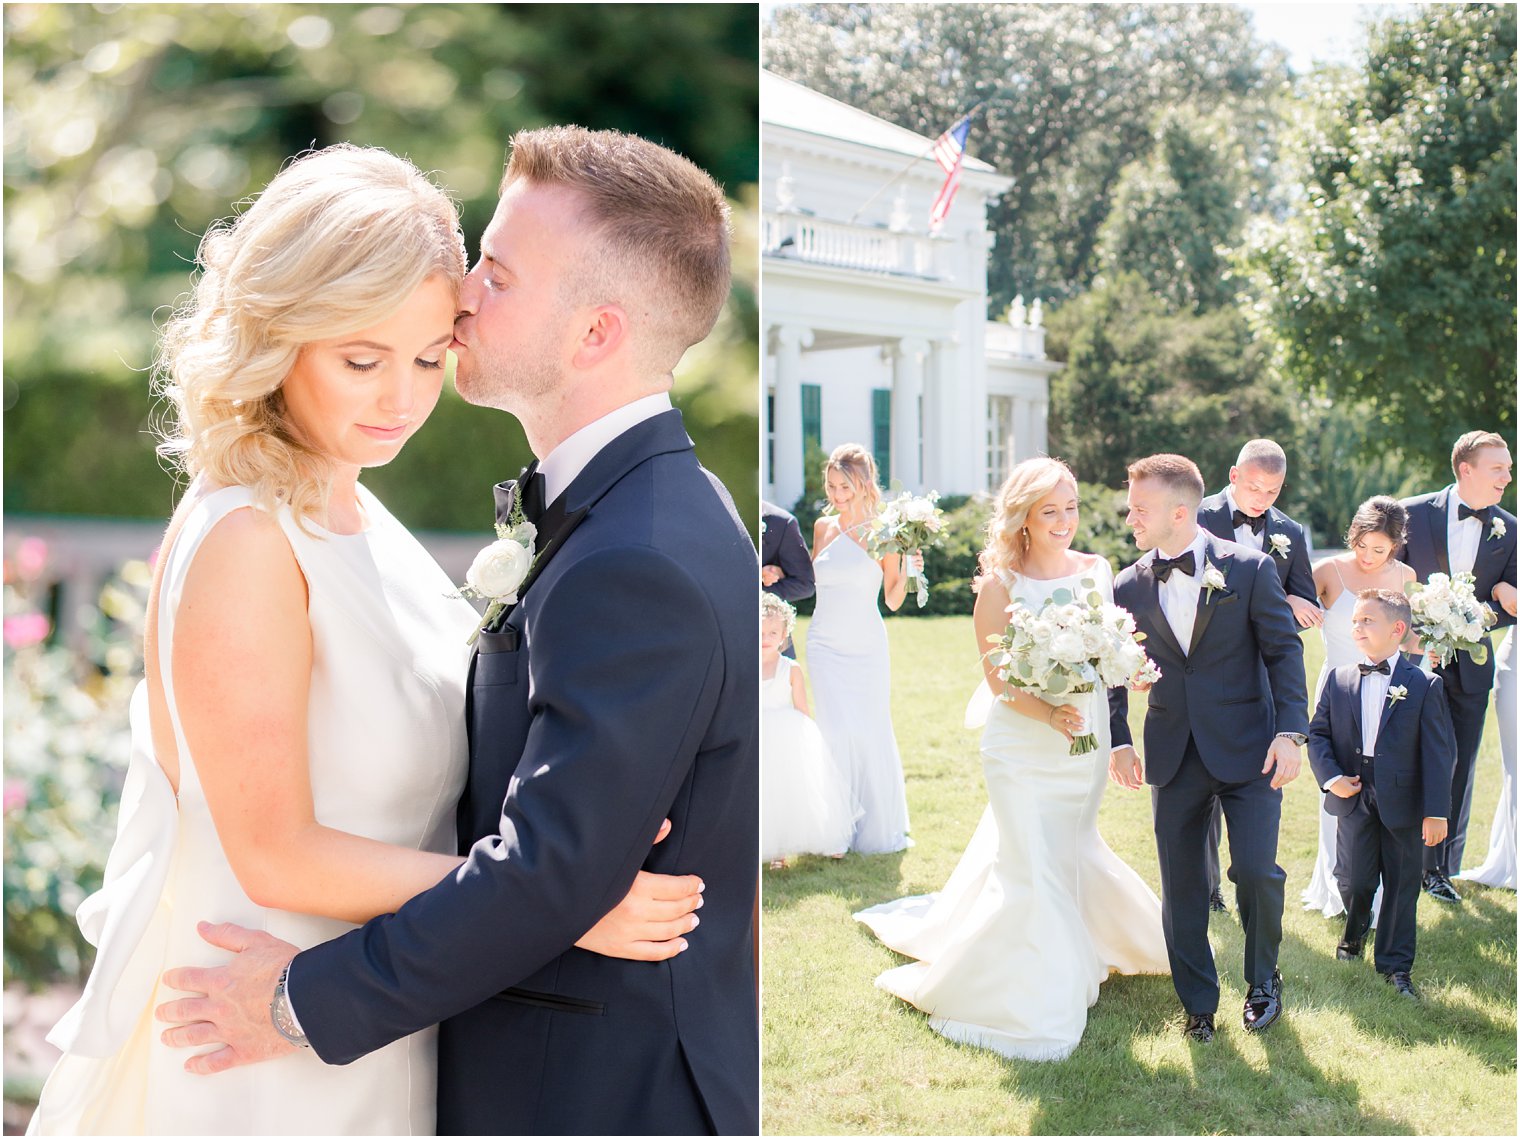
847, 650
1498, 867
1039, 911
1376, 530
298, 743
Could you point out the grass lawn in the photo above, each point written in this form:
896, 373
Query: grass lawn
1348, 1058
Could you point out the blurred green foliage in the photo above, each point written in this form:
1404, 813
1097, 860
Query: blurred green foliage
129, 128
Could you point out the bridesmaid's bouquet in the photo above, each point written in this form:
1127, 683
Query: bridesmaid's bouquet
1448, 618
1073, 644
907, 525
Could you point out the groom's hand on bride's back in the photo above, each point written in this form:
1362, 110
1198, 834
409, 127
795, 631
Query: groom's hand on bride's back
649, 923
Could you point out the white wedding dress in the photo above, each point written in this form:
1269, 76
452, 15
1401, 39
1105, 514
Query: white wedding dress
1039, 911
1498, 867
805, 803
1323, 892
387, 750
852, 688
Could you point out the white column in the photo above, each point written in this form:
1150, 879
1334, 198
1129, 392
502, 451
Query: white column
907, 386
787, 343
1039, 437
942, 406
1023, 430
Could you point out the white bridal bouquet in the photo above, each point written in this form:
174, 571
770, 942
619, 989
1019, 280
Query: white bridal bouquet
1073, 644
907, 525
1448, 617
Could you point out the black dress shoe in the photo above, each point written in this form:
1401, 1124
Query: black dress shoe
1263, 1004
1216, 903
1348, 951
1400, 981
1439, 887
1200, 1027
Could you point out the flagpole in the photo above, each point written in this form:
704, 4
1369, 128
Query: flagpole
914, 162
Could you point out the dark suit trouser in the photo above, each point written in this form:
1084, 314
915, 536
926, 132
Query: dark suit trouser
1182, 809
1216, 831
1468, 710
1366, 848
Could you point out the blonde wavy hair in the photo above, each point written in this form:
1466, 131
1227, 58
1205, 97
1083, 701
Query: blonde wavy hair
337, 242
858, 465
1021, 492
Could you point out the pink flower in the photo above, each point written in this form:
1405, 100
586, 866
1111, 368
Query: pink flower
15, 795
26, 629
31, 558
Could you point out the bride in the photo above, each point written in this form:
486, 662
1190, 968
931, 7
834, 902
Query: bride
298, 744
1039, 911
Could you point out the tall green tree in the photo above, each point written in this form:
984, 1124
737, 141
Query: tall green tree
1141, 378
1072, 94
1393, 282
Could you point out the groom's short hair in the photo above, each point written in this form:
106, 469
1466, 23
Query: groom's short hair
1466, 449
662, 225
1265, 455
1177, 473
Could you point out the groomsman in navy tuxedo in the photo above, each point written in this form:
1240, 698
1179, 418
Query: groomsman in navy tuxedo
1243, 512
1381, 747
786, 567
1462, 529
1225, 721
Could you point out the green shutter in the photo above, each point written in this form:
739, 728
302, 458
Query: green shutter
881, 432
812, 417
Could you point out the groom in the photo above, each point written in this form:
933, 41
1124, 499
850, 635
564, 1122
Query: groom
1226, 720
618, 692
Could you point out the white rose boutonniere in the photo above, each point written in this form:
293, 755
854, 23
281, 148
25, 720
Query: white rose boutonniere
499, 570
1397, 692
1213, 578
1496, 528
1280, 544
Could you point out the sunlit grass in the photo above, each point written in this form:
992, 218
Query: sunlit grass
1349, 1057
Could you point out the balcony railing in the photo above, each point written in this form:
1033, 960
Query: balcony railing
869, 248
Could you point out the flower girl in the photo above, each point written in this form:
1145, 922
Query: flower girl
805, 805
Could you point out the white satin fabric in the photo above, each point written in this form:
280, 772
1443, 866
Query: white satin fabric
1039, 911
1498, 867
387, 753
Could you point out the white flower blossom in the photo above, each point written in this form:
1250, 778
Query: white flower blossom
1280, 544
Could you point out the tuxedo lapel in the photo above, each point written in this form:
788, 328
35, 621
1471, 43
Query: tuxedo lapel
1401, 667
1349, 678
1436, 519
1490, 550
1212, 554
657, 435
1152, 596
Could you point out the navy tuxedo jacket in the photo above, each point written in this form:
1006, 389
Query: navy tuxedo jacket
1426, 553
619, 692
1240, 682
1414, 752
781, 545
1293, 572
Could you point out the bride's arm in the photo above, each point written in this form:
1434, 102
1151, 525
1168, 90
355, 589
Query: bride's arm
242, 667
242, 659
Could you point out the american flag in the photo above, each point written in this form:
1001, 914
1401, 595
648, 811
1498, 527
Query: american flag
949, 149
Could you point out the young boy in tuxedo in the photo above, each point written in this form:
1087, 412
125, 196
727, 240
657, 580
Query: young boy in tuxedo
1382, 748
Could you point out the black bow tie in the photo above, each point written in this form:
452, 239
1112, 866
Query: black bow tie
1482, 514
1257, 522
1382, 667
526, 492
1163, 567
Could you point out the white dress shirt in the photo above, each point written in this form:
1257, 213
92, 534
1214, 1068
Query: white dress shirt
1462, 538
1374, 692
560, 466
1179, 593
1244, 534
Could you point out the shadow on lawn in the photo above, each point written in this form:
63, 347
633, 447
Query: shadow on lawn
858, 880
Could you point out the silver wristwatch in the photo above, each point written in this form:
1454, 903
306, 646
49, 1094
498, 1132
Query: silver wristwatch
1298, 739
284, 1017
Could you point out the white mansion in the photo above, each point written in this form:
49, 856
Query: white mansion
876, 331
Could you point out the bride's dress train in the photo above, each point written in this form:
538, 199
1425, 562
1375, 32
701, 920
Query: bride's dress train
1038, 912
